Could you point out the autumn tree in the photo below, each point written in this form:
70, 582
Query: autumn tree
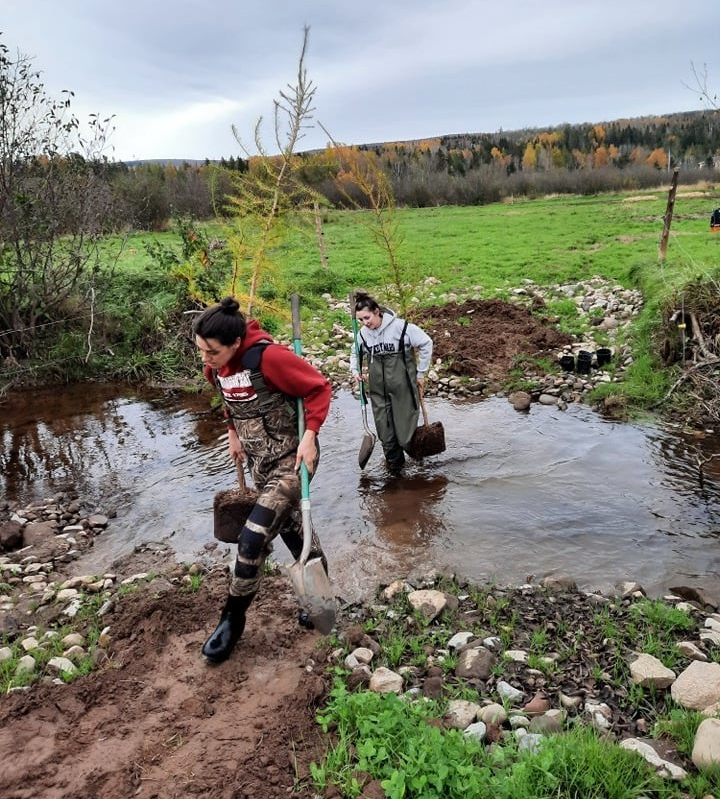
261, 203
365, 185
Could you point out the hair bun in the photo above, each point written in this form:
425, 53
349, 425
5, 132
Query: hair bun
229, 304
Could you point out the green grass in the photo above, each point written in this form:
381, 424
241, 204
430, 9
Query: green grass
549, 240
445, 252
387, 739
401, 743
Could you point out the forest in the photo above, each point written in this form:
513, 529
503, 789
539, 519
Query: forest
456, 169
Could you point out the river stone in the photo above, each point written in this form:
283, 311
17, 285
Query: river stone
706, 749
663, 767
385, 681
25, 664
461, 713
476, 730
62, 665
698, 686
475, 663
11, 536
648, 671
429, 602
38, 533
520, 400
494, 713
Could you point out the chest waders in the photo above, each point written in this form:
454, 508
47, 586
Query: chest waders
392, 381
267, 428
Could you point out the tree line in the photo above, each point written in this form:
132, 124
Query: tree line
463, 169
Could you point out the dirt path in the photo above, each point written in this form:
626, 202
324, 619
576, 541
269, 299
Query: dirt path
157, 721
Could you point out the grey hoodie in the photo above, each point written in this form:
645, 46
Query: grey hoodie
386, 339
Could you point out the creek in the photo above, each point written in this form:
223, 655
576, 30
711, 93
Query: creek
514, 496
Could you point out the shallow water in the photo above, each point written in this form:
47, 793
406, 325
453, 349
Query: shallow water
514, 495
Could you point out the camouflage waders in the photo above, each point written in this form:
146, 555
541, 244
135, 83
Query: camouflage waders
269, 438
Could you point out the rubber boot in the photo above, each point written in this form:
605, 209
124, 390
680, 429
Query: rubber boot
230, 627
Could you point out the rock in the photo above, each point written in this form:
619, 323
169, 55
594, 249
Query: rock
664, 767
11, 536
476, 730
385, 681
429, 602
648, 671
706, 749
698, 686
460, 713
475, 663
558, 582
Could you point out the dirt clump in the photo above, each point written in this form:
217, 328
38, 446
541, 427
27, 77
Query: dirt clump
484, 338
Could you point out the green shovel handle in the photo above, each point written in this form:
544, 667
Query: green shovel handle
297, 346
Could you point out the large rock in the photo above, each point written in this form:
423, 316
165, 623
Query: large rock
706, 749
38, 533
475, 663
698, 686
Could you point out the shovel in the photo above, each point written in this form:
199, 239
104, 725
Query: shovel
308, 578
368, 443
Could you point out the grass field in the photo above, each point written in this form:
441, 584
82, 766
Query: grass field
548, 240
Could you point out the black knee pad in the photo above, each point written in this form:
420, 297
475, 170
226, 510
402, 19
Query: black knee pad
260, 516
251, 545
245, 571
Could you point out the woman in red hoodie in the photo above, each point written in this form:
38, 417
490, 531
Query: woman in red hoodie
260, 382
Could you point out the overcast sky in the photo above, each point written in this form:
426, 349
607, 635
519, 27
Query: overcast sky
178, 74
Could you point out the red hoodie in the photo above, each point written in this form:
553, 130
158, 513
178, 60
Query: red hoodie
283, 371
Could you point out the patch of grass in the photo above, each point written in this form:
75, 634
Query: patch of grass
381, 737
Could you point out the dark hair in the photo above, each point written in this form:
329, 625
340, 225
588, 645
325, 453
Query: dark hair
224, 322
363, 300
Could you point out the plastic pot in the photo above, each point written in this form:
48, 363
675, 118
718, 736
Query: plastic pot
603, 356
567, 363
584, 362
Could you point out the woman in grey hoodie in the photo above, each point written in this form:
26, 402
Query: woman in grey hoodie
395, 355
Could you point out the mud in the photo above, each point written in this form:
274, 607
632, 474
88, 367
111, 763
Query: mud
158, 721
485, 338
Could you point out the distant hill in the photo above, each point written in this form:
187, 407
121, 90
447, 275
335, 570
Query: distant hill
687, 138
176, 162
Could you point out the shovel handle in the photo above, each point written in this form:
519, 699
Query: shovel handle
304, 476
361, 382
421, 395
240, 469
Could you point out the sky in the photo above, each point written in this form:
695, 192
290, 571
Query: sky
178, 75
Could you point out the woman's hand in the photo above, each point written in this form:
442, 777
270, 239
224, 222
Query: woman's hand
307, 451
235, 447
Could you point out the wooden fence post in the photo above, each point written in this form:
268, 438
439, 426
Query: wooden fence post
668, 215
320, 235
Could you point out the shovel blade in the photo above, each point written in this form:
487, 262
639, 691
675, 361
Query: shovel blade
366, 449
314, 593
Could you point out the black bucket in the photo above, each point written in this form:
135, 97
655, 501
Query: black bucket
603, 355
584, 362
567, 363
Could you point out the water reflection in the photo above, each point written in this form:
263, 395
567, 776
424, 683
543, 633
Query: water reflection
513, 495
405, 510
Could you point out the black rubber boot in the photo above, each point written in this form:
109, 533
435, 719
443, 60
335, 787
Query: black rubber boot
232, 623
